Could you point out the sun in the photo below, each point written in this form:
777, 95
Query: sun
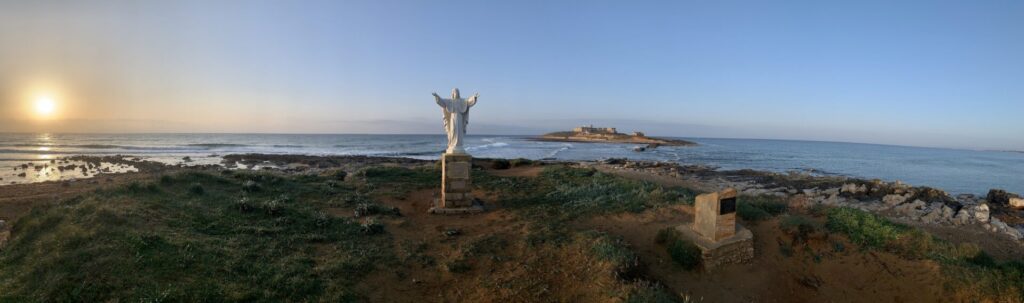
45, 106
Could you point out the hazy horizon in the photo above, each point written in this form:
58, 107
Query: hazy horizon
928, 73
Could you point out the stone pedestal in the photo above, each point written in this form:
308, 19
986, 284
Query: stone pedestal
456, 190
715, 231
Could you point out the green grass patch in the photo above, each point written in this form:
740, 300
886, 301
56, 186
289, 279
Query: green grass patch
757, 208
967, 266
171, 242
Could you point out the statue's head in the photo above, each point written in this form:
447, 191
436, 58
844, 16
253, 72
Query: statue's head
455, 94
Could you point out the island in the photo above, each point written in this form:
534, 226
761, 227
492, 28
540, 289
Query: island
591, 134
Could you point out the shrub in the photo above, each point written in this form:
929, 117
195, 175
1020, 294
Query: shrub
615, 251
864, 228
250, 186
243, 204
196, 189
646, 292
684, 253
371, 226
366, 209
339, 175
520, 162
799, 227
272, 207
666, 235
756, 208
500, 164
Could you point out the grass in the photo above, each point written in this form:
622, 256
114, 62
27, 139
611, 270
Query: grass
268, 237
757, 208
976, 275
799, 227
560, 194
683, 252
171, 241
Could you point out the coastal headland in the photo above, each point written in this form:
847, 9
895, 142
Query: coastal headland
356, 228
591, 134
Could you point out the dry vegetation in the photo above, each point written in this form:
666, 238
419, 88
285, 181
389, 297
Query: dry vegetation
551, 233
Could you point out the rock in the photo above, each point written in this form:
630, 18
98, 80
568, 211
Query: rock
2, 224
932, 217
1015, 233
981, 213
963, 217
1017, 203
999, 196
947, 213
998, 224
966, 198
893, 200
910, 208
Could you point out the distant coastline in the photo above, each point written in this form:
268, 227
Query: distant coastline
591, 134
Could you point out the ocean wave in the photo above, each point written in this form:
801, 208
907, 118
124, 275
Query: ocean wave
215, 145
486, 146
288, 146
555, 152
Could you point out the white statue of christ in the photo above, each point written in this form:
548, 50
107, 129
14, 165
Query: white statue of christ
456, 116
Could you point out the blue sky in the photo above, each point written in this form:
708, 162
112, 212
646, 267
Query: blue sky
929, 73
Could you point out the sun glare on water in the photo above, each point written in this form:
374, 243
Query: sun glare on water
45, 106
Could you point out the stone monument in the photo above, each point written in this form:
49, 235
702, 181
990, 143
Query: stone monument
715, 231
456, 196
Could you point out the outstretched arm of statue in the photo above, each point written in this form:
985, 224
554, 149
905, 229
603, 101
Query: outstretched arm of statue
472, 100
438, 99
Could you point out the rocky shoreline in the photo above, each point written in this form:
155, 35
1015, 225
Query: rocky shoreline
999, 212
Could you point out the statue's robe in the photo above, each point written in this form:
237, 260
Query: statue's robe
456, 117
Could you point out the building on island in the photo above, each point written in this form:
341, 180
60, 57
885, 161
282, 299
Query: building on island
590, 129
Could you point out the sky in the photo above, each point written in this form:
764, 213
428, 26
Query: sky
923, 73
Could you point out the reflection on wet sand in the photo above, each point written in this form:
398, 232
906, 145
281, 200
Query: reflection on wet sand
49, 168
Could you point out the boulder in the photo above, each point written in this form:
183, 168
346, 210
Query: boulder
932, 217
893, 200
947, 213
1017, 203
1015, 233
910, 208
981, 213
853, 188
999, 196
963, 217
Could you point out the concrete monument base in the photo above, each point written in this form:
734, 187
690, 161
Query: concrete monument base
456, 188
735, 249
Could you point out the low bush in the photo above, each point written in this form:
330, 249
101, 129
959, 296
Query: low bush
757, 208
196, 189
799, 227
684, 253
500, 164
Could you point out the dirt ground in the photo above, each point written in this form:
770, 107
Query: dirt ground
816, 272
849, 276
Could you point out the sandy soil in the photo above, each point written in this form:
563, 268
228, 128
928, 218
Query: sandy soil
849, 276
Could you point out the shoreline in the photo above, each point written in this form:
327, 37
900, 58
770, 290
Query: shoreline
906, 203
596, 220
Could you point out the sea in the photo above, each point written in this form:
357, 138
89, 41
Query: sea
953, 170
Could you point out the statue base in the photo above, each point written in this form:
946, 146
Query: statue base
734, 249
456, 188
